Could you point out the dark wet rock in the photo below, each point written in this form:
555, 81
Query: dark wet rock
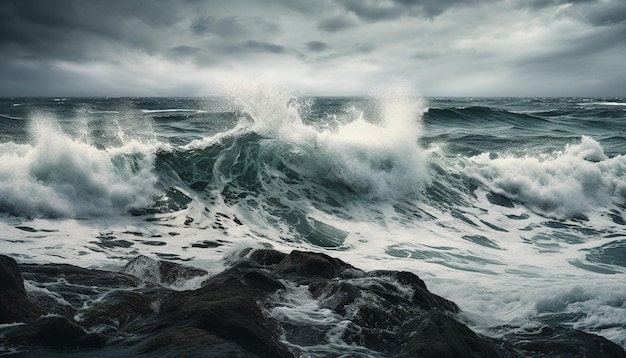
383, 313
67, 289
227, 310
267, 257
172, 272
565, 342
335, 295
54, 332
161, 272
222, 319
383, 306
253, 276
184, 342
49, 273
421, 296
305, 267
14, 305
438, 335
118, 309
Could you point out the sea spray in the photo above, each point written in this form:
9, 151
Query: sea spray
56, 175
564, 184
374, 150
293, 171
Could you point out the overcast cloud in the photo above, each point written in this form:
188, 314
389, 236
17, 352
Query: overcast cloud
315, 47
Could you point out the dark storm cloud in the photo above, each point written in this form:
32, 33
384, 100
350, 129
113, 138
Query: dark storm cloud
250, 48
231, 26
607, 14
257, 46
595, 12
76, 30
586, 47
107, 19
109, 47
373, 10
17, 80
316, 46
608, 32
385, 10
540, 4
346, 53
336, 24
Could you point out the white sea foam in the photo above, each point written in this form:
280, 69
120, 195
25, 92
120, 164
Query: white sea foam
565, 184
602, 104
59, 176
583, 303
171, 110
295, 306
379, 155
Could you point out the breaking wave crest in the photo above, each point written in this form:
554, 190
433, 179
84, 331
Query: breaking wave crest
58, 175
564, 184
373, 150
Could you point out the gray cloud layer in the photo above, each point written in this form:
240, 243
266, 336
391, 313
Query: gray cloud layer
322, 47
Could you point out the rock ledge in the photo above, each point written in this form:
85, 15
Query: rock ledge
76, 311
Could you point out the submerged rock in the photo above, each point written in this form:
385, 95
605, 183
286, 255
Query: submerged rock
377, 313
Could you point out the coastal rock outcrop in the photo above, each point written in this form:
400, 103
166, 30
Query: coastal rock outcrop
14, 304
67, 310
393, 312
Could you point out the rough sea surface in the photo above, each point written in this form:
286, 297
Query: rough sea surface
514, 208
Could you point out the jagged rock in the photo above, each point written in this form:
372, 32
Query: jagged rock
118, 309
267, 257
258, 280
421, 296
78, 276
10, 276
387, 313
186, 341
437, 335
172, 272
68, 289
161, 272
566, 342
54, 332
306, 267
382, 305
228, 311
14, 304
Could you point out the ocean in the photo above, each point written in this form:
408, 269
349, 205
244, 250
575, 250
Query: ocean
514, 208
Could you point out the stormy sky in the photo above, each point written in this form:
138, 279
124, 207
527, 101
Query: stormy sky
313, 47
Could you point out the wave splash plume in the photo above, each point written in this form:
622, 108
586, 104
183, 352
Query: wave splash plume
564, 184
56, 174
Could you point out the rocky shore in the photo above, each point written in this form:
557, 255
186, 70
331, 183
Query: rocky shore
58, 310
